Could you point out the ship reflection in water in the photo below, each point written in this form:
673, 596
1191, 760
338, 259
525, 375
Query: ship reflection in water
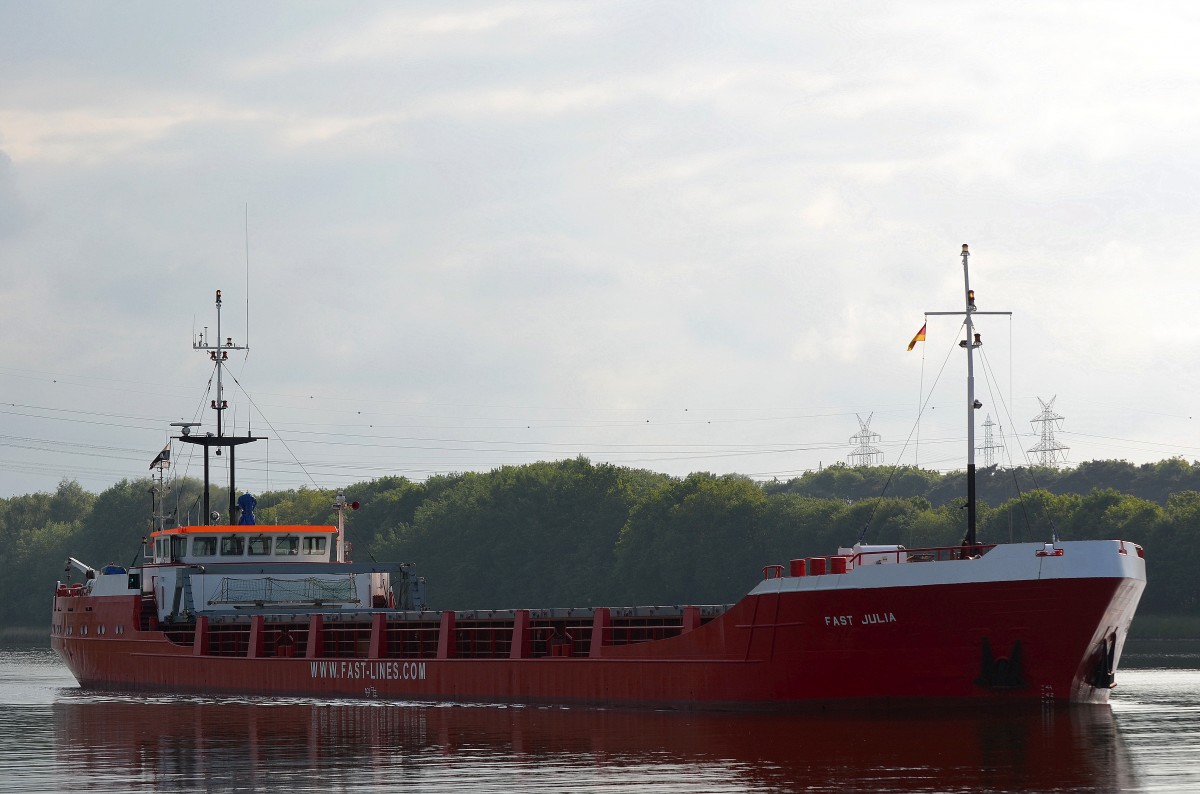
179, 744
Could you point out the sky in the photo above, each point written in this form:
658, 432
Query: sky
680, 236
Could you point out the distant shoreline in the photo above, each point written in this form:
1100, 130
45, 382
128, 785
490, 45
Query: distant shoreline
1165, 627
25, 635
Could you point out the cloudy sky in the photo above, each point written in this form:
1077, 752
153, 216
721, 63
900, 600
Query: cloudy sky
682, 236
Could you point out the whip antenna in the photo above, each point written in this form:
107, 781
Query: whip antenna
247, 234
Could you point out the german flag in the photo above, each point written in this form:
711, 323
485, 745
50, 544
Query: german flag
920, 337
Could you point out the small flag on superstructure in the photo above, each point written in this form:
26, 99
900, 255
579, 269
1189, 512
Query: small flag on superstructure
163, 461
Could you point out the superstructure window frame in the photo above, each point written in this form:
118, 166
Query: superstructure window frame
233, 546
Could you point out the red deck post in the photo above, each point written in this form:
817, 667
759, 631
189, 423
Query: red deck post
254, 648
446, 643
601, 626
200, 639
691, 619
521, 639
316, 642
378, 646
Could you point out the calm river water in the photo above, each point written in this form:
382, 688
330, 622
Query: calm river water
55, 737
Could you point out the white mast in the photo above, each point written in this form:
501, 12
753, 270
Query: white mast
219, 353
969, 344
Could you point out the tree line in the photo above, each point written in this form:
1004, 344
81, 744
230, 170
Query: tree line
576, 533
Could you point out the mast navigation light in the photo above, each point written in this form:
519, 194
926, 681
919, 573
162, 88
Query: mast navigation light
340, 502
971, 299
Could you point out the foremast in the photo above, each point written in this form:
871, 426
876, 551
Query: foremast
219, 354
969, 344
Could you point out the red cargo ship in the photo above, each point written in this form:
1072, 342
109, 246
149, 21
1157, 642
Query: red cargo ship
244, 608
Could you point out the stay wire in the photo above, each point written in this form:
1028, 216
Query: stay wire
276, 432
990, 377
887, 483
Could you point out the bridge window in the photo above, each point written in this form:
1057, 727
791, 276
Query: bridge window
287, 545
204, 547
314, 545
233, 546
260, 546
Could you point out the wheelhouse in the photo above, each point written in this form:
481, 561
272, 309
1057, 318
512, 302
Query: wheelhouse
202, 545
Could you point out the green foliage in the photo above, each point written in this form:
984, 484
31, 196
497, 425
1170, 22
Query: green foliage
120, 518
574, 533
1173, 587
1155, 482
801, 526
303, 506
40, 555
657, 559
941, 526
535, 535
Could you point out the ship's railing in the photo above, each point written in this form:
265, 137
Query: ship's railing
414, 639
844, 563
270, 590
476, 634
346, 640
930, 554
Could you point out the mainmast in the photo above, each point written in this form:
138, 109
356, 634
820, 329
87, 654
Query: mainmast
219, 354
969, 344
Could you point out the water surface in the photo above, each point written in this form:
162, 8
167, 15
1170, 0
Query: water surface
58, 737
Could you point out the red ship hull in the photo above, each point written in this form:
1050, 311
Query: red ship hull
792, 643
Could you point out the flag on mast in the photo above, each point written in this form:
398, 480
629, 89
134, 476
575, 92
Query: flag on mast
163, 461
920, 337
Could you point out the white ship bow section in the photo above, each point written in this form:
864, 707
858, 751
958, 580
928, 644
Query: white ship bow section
882, 567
